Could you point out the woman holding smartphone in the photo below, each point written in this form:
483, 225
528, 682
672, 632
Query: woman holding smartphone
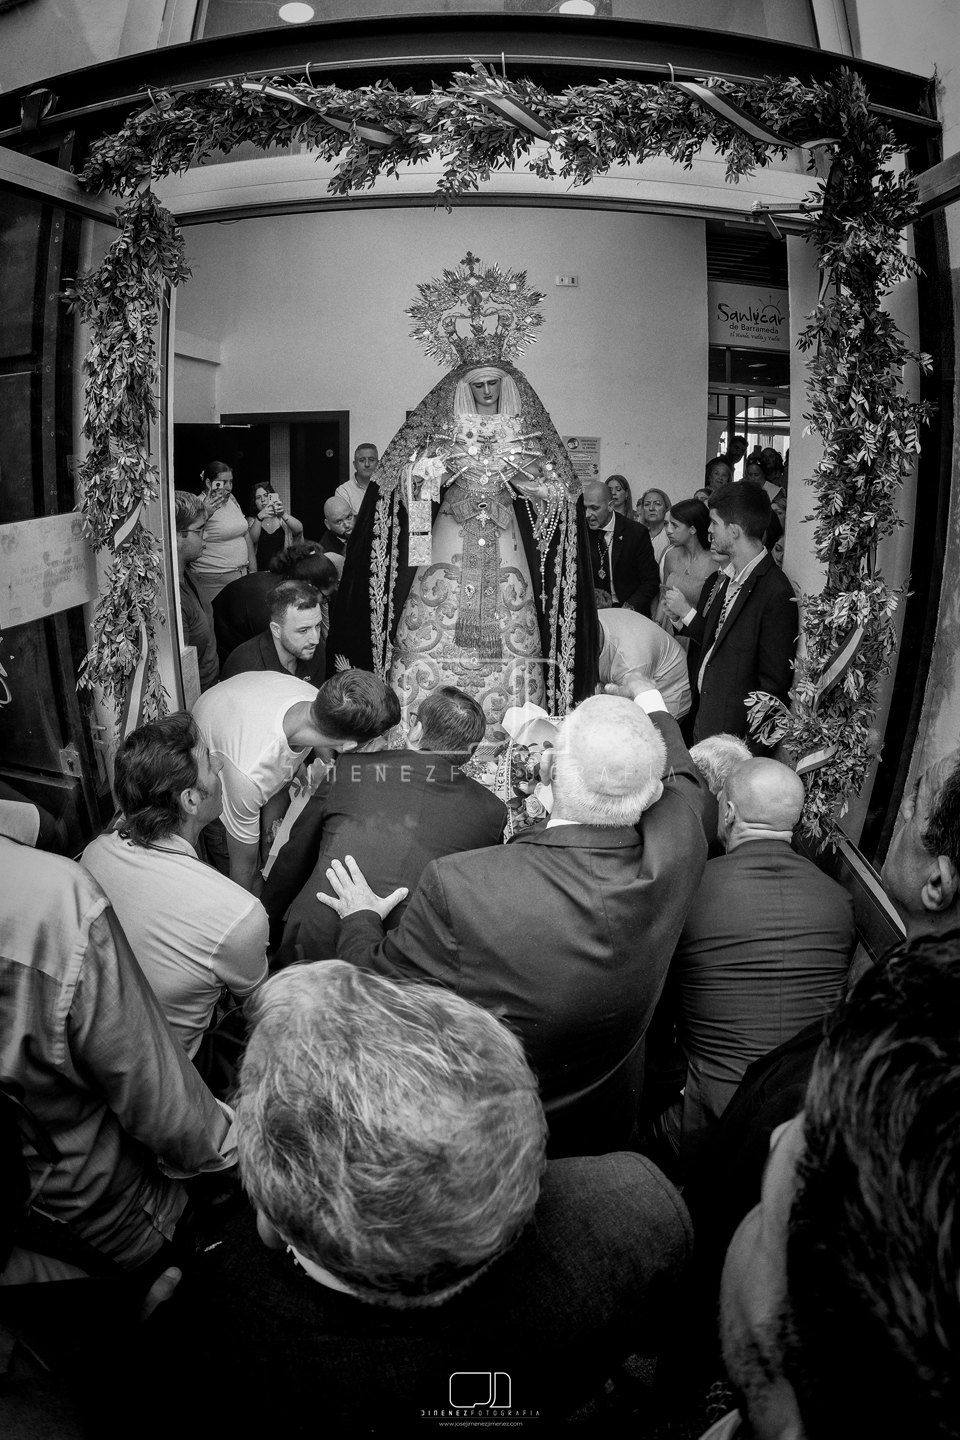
228, 550
272, 529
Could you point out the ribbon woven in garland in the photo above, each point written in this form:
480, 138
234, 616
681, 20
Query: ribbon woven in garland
839, 663
723, 106
131, 716
514, 110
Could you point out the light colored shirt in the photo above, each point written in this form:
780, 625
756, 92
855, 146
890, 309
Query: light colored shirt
192, 930
241, 719
83, 1034
633, 644
661, 544
352, 493
224, 541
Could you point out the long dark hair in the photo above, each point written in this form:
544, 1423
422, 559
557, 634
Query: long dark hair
695, 514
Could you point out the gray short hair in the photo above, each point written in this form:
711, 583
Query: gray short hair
610, 759
391, 1134
717, 757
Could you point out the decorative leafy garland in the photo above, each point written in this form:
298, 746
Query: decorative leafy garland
479, 124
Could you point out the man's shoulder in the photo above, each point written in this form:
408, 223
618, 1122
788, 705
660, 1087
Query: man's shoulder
245, 590
771, 579
111, 858
623, 525
246, 657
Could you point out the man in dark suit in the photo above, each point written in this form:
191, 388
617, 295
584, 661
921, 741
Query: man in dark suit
242, 609
765, 948
567, 932
291, 643
394, 811
625, 571
744, 629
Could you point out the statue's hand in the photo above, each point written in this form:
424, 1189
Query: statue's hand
530, 489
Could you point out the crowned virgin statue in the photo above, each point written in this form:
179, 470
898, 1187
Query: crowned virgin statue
469, 564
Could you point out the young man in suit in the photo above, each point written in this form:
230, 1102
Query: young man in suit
567, 932
745, 627
625, 571
394, 811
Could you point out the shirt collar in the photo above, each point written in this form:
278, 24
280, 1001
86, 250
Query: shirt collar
748, 569
608, 529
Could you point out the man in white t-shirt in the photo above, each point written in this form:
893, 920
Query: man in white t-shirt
633, 648
365, 461
261, 726
192, 930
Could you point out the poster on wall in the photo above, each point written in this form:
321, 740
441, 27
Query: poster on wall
584, 452
750, 317
46, 566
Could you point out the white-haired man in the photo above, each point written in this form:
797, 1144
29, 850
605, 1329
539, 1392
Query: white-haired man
414, 1253
567, 933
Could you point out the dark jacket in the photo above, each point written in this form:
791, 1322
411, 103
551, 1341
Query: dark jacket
566, 935
394, 811
260, 653
332, 544
636, 574
765, 951
198, 631
755, 649
242, 610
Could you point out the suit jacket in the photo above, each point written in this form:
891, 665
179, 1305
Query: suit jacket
260, 653
566, 935
636, 574
764, 952
198, 631
394, 811
754, 650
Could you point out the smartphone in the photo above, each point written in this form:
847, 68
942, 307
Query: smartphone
216, 486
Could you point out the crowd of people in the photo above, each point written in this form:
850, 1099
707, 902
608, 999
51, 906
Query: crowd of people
369, 1117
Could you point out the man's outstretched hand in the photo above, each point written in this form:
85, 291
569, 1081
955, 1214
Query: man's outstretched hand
353, 893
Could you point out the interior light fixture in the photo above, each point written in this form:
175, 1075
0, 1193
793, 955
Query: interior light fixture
577, 7
295, 14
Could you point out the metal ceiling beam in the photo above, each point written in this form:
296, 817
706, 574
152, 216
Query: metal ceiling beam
415, 50
28, 176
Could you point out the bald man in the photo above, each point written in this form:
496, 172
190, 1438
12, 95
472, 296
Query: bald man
566, 933
340, 522
764, 950
625, 570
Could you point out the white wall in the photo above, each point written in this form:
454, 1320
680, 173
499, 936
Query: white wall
308, 311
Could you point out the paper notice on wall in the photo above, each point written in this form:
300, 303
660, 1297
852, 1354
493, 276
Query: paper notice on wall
584, 452
45, 566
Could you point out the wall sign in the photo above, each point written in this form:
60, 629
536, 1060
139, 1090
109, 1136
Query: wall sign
584, 452
752, 317
45, 566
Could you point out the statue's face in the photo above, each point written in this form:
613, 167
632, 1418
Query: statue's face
486, 394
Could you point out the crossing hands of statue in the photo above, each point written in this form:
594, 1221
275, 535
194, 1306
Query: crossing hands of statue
354, 894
